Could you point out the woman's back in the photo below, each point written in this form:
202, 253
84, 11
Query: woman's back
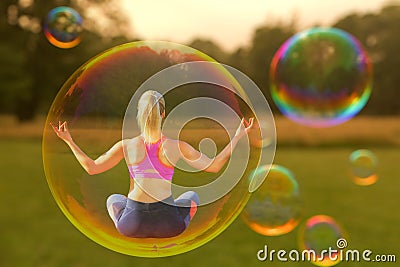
150, 170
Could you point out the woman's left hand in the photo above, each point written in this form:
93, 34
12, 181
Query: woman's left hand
62, 131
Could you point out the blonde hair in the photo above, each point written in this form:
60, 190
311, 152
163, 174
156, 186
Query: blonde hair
151, 106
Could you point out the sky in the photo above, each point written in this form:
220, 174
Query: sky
231, 23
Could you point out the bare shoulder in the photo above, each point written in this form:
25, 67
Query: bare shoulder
169, 141
134, 142
171, 149
134, 149
182, 148
172, 145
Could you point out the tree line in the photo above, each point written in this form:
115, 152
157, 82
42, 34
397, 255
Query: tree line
32, 70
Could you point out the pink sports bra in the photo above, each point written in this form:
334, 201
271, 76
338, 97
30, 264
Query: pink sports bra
151, 166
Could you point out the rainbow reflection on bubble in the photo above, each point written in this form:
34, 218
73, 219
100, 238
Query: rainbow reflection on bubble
320, 234
275, 207
321, 77
363, 164
63, 27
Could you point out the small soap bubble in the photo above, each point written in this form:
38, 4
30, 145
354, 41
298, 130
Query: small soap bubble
63, 27
363, 164
275, 206
323, 237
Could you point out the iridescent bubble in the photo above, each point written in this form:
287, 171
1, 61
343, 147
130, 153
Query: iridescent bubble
363, 165
275, 206
321, 77
63, 27
323, 238
204, 104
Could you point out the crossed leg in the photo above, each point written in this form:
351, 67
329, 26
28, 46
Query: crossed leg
189, 199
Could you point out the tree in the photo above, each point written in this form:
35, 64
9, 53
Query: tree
266, 42
380, 35
210, 48
32, 69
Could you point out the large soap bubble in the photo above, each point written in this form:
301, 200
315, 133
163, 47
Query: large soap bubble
63, 27
204, 104
321, 77
275, 207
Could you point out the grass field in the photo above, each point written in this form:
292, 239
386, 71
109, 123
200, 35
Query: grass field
34, 231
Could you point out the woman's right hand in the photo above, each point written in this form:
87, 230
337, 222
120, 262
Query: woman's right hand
62, 131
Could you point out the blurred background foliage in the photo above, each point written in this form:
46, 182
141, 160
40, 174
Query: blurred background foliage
32, 70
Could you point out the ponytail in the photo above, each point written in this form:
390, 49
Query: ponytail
149, 117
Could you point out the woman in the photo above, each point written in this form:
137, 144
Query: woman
149, 209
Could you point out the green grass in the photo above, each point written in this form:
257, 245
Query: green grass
34, 232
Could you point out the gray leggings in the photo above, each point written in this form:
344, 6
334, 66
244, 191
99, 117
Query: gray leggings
166, 218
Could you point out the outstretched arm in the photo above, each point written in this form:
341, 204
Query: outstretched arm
101, 164
200, 161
